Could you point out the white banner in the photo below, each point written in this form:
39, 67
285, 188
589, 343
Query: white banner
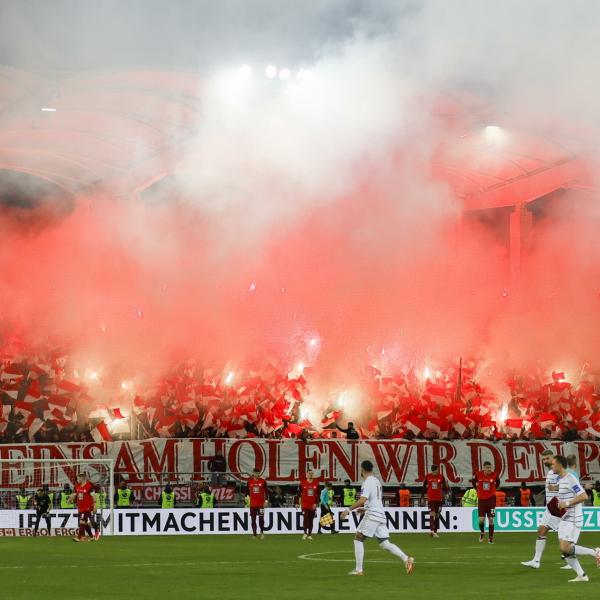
182, 521
285, 462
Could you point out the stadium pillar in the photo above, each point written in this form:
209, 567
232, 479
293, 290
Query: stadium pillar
520, 222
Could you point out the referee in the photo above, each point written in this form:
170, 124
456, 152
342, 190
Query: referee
41, 502
326, 502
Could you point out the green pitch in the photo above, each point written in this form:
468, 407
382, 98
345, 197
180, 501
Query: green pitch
284, 566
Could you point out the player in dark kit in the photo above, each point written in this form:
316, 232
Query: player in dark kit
257, 490
435, 486
41, 503
486, 482
308, 493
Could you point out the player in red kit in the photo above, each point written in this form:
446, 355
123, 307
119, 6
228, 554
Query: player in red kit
486, 482
435, 486
257, 490
308, 493
86, 507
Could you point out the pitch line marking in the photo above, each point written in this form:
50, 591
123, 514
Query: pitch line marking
154, 564
316, 556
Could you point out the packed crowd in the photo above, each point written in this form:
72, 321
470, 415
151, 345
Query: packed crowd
45, 399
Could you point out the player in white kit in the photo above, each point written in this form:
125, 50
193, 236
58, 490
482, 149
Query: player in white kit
549, 521
571, 497
373, 523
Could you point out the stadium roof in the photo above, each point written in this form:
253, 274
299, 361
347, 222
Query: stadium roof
123, 129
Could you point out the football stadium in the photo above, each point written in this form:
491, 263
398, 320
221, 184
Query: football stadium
299, 299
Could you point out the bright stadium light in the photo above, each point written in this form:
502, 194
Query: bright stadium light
494, 134
245, 72
94, 375
271, 72
229, 378
426, 373
284, 74
126, 385
48, 109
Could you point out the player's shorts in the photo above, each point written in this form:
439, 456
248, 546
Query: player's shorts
568, 531
370, 528
486, 507
550, 521
84, 516
257, 512
434, 505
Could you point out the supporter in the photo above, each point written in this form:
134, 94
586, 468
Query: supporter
217, 466
350, 431
41, 403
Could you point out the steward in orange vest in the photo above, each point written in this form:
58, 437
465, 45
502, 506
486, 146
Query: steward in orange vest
524, 495
404, 496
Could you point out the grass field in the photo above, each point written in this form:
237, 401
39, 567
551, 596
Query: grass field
284, 566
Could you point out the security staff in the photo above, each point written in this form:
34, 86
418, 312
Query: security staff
124, 496
50, 496
65, 497
348, 494
167, 498
525, 498
205, 498
403, 496
500, 498
100, 499
596, 494
23, 499
469, 498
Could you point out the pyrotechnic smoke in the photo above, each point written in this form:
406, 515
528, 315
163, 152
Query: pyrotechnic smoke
308, 210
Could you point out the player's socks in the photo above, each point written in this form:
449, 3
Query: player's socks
437, 524
261, 523
540, 545
253, 522
393, 549
81, 532
575, 565
482, 527
491, 532
583, 551
359, 554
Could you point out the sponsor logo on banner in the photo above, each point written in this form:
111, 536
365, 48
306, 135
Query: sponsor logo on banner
529, 519
286, 461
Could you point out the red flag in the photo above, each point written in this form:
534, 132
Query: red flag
68, 386
117, 414
100, 433
513, 425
